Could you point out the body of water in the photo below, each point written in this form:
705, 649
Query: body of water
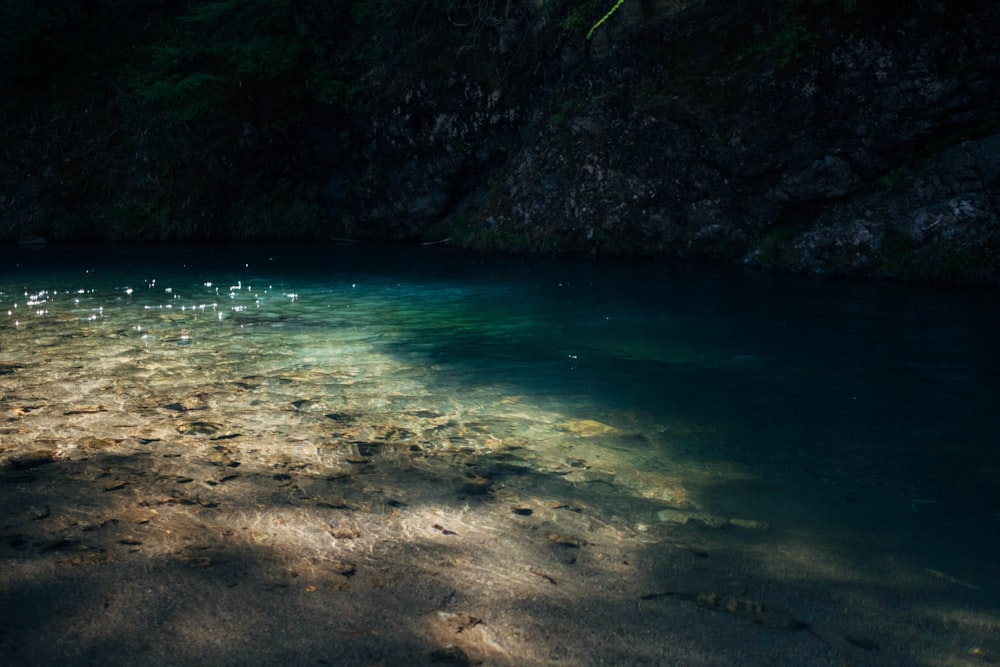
848, 426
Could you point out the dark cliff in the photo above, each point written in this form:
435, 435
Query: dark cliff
842, 136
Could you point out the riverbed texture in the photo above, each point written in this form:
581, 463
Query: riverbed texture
225, 463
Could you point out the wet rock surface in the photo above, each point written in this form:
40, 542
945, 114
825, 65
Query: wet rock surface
835, 140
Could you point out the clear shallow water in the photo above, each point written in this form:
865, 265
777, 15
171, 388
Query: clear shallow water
857, 421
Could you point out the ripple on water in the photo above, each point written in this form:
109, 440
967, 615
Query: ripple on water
591, 414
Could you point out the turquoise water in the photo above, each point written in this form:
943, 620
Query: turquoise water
871, 396
852, 419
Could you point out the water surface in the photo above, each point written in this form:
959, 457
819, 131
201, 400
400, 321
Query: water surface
848, 425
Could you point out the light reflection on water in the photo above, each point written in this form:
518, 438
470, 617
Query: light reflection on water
835, 410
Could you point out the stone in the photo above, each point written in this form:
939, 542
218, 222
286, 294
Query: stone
750, 524
450, 655
344, 532
32, 460
199, 428
85, 410
473, 485
588, 428
343, 568
90, 442
564, 541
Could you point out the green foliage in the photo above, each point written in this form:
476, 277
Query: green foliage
604, 18
196, 96
802, 7
941, 262
285, 211
963, 265
894, 176
789, 43
467, 232
388, 27
26, 26
159, 116
46, 42
244, 58
559, 117
580, 16
137, 218
773, 247
393, 33
796, 25
325, 89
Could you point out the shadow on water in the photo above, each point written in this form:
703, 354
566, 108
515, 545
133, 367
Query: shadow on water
404, 557
802, 454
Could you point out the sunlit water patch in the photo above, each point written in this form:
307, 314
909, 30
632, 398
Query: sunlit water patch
837, 429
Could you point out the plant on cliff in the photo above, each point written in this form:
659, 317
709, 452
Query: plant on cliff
43, 42
250, 61
238, 81
604, 18
793, 26
578, 17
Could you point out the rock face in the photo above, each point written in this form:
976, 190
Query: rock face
834, 137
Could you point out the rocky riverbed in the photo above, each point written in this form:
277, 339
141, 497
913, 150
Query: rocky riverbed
289, 473
256, 522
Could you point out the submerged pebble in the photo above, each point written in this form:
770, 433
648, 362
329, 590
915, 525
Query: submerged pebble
199, 428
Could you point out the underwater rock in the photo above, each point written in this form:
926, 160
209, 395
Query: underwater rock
25, 405
32, 460
85, 410
90, 442
344, 532
396, 434
590, 476
343, 568
588, 428
367, 449
862, 643
564, 541
771, 617
85, 556
684, 517
450, 655
198, 402
461, 636
199, 428
673, 516
197, 562
750, 524
473, 485
424, 414
222, 456
18, 477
